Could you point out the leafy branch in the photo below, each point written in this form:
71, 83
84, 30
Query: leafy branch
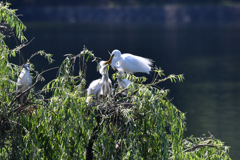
42, 53
9, 16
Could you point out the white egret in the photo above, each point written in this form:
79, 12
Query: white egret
129, 63
123, 83
24, 82
102, 86
107, 84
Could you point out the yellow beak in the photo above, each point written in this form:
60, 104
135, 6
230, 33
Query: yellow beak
109, 61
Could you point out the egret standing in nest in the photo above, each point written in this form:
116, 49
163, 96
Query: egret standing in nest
24, 82
107, 84
102, 86
123, 83
129, 63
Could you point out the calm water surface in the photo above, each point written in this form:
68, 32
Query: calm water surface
209, 57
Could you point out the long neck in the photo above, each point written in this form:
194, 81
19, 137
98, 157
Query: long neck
104, 73
106, 76
103, 77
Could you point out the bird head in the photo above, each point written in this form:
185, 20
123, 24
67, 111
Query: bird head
26, 66
103, 67
102, 63
116, 53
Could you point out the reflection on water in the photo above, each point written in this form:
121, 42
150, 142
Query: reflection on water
211, 99
208, 57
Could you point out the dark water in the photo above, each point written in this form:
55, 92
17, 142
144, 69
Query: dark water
208, 56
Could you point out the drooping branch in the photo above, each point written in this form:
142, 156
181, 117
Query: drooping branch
200, 145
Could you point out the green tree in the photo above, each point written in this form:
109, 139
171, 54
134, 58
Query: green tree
144, 124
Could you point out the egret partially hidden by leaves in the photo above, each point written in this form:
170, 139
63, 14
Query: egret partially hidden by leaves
123, 83
24, 82
129, 63
102, 86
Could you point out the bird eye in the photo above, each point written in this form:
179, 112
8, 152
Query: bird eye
115, 56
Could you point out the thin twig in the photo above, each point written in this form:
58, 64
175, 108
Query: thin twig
154, 77
23, 44
73, 64
20, 125
123, 103
79, 63
120, 92
46, 108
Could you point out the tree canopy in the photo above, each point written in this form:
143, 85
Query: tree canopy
144, 124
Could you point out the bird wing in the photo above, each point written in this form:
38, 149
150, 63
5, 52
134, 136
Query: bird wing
21, 87
24, 81
18, 84
94, 87
132, 63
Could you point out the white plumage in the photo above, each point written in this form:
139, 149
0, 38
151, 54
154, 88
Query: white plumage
24, 82
123, 83
102, 86
107, 83
130, 63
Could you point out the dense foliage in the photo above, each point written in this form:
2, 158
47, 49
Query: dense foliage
142, 125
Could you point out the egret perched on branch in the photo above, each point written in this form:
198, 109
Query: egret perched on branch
123, 83
129, 63
24, 82
101, 86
